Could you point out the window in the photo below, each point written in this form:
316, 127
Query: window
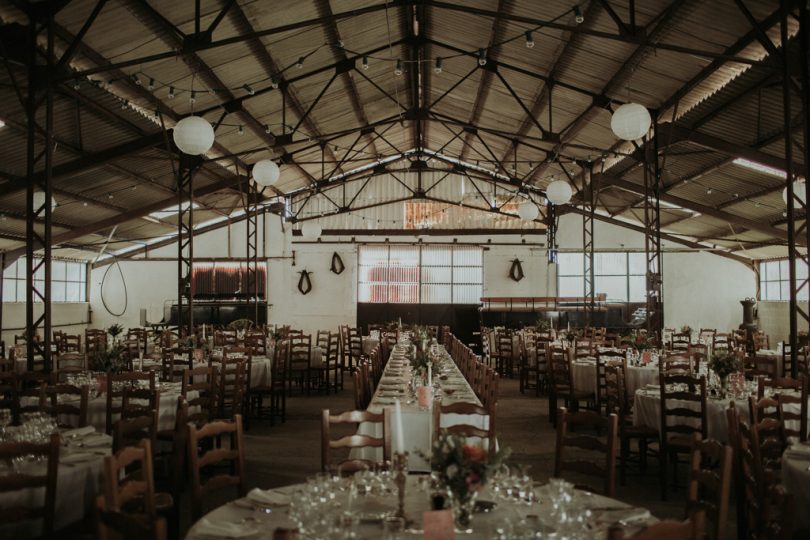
774, 280
225, 280
420, 274
619, 275
68, 281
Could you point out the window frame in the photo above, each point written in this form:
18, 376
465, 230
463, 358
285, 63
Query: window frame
578, 271
63, 285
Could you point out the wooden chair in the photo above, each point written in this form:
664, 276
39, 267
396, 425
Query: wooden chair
469, 410
570, 422
778, 514
710, 482
676, 364
506, 355
232, 386
298, 363
8, 394
11, 483
617, 402
175, 361
747, 474
201, 464
681, 342
764, 417
68, 400
722, 343
787, 402
278, 382
122, 380
202, 380
353, 440
675, 438
583, 348
72, 343
561, 382
137, 421
602, 359
691, 529
329, 362
529, 371
760, 366
70, 363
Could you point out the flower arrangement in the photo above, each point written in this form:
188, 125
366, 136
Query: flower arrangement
543, 325
642, 342
115, 330
725, 364
240, 324
686, 329
109, 361
464, 468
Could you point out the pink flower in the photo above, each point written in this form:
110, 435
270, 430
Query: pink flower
475, 454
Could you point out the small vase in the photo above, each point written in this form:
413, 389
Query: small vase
463, 507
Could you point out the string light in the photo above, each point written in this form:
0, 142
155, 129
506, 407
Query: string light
437, 68
124, 104
135, 79
76, 84
151, 85
708, 191
193, 98
364, 64
529, 40
274, 83
398, 68
267, 128
171, 92
578, 16
241, 130
482, 57
300, 63
249, 90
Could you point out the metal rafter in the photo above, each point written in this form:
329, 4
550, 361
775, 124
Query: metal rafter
652, 238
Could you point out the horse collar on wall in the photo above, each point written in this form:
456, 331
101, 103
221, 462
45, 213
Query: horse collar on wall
337, 264
304, 283
516, 272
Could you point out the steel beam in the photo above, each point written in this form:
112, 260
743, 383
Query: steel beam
652, 238
589, 195
185, 245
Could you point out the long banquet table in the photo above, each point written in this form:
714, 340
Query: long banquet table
417, 421
508, 518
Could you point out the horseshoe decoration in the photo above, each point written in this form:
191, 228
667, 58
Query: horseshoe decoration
304, 283
337, 264
516, 271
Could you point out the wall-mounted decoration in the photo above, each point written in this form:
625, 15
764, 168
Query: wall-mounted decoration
516, 271
337, 264
304, 283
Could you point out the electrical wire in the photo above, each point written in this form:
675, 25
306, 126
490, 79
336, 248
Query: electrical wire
117, 264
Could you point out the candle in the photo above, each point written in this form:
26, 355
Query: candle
203, 332
399, 436
430, 374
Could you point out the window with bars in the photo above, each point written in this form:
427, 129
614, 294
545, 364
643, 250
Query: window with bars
774, 280
618, 274
420, 274
68, 281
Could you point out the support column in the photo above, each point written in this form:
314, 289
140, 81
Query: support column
38, 216
589, 209
652, 236
252, 252
795, 87
551, 232
185, 244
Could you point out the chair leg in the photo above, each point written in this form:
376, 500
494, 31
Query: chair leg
625, 449
663, 474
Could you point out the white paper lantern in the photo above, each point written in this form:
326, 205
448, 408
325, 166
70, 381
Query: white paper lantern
631, 121
559, 192
799, 189
193, 135
266, 172
39, 200
528, 211
311, 230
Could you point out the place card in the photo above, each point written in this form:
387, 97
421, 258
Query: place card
438, 525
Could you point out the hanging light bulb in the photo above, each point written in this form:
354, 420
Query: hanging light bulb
124, 104
151, 85
799, 190
437, 68
364, 63
398, 67
135, 79
241, 130
171, 92
482, 57
631, 121
39, 201
193, 135
274, 83
300, 63
529, 40
248, 89
528, 211
76, 84
559, 192
267, 128
578, 16
708, 191
311, 230
193, 98
266, 172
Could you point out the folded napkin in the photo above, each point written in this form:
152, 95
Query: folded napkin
270, 497
224, 529
625, 514
79, 432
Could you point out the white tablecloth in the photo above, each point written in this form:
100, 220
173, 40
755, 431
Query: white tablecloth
417, 422
584, 375
169, 392
77, 486
796, 479
368, 344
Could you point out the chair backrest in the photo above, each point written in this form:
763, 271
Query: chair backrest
203, 381
471, 411
676, 363
569, 436
603, 358
764, 418
353, 440
300, 351
691, 529
322, 339
559, 367
681, 341
615, 397
128, 478
116, 383
710, 482
11, 483
688, 420
209, 457
794, 423
777, 517
279, 366
232, 385
68, 400
138, 420
722, 342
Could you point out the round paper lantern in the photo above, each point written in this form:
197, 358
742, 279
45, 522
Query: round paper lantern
559, 192
311, 230
265, 172
528, 211
193, 135
799, 189
39, 200
631, 121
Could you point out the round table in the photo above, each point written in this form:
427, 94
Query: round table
796, 479
241, 518
584, 375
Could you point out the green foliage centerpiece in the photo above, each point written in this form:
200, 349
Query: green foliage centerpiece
723, 365
464, 469
115, 330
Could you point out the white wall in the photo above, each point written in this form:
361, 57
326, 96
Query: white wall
68, 317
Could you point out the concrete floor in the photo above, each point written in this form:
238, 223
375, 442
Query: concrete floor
289, 453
